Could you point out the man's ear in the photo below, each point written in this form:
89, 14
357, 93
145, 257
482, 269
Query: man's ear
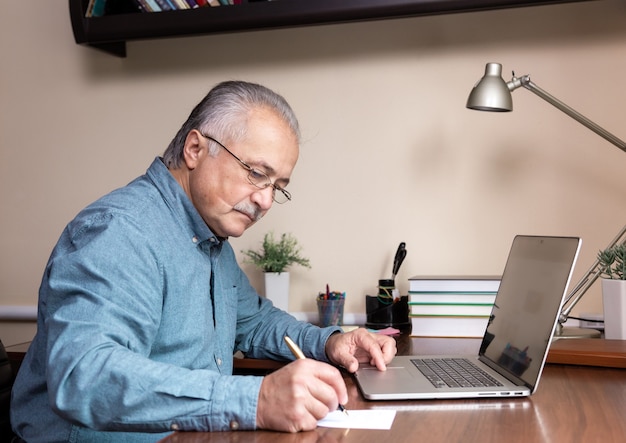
194, 149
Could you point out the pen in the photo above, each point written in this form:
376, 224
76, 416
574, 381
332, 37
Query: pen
297, 352
398, 259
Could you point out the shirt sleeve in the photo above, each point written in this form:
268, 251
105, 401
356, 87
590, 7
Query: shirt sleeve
103, 319
261, 327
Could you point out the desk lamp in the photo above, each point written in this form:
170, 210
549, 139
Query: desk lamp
492, 93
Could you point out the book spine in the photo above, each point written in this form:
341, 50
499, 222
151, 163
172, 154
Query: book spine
452, 298
90, 5
450, 309
453, 286
164, 5
140, 5
429, 326
152, 6
95, 8
454, 283
464, 298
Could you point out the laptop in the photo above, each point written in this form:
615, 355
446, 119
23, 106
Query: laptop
515, 345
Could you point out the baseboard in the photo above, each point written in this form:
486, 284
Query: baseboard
18, 313
348, 317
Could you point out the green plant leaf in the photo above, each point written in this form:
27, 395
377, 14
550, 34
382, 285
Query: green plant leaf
613, 262
277, 255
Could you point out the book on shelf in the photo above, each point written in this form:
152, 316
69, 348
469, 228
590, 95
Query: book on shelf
164, 5
454, 283
95, 8
447, 309
433, 326
181, 4
150, 5
139, 6
171, 5
99, 8
469, 298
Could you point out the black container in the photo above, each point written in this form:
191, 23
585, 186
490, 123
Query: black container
383, 311
382, 315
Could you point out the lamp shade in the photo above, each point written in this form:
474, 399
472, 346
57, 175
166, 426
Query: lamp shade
491, 93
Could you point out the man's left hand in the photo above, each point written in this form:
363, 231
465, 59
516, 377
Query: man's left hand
360, 346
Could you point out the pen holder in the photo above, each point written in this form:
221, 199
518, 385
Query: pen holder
381, 315
330, 312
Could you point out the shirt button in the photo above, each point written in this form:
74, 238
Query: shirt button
219, 362
194, 239
174, 427
234, 425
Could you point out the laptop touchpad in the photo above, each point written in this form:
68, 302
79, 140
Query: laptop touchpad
394, 378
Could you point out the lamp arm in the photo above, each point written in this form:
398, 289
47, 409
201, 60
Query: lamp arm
597, 268
587, 280
528, 84
488, 95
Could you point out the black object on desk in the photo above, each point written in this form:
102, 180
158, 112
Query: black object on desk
381, 315
387, 310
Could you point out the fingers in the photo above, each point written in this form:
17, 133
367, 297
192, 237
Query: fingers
372, 346
333, 385
295, 397
349, 349
385, 351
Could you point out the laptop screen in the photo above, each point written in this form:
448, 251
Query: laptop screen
528, 303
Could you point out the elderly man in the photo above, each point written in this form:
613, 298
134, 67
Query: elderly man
142, 303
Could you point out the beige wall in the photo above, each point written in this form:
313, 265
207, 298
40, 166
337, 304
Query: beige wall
390, 153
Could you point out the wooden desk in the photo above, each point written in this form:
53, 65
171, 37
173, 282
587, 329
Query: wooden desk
573, 404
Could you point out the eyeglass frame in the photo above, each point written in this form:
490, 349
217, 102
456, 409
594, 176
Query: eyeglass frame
251, 171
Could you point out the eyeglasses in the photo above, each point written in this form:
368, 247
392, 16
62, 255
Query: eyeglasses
258, 178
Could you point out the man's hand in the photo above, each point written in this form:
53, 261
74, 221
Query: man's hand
359, 346
295, 397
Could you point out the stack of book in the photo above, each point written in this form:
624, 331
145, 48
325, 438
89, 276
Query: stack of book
451, 306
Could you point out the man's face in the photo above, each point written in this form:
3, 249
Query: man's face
218, 186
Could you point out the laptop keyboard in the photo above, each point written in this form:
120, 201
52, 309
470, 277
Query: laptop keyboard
454, 372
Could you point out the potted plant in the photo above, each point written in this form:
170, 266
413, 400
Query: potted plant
274, 257
613, 265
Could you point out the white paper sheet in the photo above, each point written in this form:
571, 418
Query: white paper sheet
359, 419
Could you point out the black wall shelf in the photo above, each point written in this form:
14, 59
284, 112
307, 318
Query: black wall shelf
110, 33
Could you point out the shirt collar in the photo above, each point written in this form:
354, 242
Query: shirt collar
179, 202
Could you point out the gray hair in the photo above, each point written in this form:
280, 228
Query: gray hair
223, 114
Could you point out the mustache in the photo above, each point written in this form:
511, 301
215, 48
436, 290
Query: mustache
249, 209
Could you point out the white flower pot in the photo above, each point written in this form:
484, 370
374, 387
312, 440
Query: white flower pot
614, 300
277, 289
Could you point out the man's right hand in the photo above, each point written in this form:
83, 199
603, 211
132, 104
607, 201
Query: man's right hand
295, 397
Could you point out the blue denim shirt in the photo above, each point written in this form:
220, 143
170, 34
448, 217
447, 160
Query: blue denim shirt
141, 308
